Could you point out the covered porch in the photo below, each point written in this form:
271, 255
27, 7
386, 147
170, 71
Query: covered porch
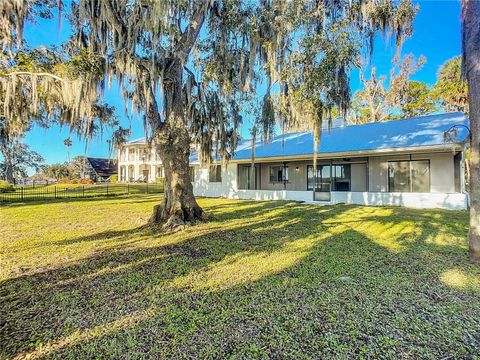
414, 180
332, 175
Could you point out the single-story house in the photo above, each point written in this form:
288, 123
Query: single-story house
100, 169
404, 162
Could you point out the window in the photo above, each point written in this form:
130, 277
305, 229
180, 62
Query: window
340, 180
215, 173
160, 172
341, 177
145, 155
192, 173
409, 176
131, 154
245, 180
278, 173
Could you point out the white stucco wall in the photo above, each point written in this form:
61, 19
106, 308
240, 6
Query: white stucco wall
442, 184
448, 201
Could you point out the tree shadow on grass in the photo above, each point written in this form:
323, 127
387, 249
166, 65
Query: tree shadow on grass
265, 285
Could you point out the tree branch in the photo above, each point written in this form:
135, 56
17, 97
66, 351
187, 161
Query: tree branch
190, 35
19, 73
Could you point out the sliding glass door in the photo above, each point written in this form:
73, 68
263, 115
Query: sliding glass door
339, 180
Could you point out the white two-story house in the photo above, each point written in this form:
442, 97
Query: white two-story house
138, 162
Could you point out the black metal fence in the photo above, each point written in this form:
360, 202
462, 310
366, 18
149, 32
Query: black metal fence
51, 192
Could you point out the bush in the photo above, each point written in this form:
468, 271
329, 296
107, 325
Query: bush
160, 180
75, 181
6, 187
113, 179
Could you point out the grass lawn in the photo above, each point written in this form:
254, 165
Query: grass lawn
83, 279
57, 191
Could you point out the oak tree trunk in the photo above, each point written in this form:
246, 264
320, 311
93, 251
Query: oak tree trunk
471, 49
179, 207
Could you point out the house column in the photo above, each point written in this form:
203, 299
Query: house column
136, 172
153, 173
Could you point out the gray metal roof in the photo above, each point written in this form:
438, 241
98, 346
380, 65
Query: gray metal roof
138, 141
426, 131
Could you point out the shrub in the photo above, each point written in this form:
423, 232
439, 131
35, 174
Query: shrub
75, 181
6, 187
160, 180
113, 179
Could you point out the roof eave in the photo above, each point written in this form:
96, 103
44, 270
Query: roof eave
358, 153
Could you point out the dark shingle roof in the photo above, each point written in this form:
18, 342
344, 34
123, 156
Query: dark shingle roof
103, 167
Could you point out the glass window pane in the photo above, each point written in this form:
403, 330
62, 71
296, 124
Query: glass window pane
399, 176
342, 177
278, 173
420, 176
215, 174
245, 180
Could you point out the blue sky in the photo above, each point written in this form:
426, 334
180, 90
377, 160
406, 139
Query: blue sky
436, 36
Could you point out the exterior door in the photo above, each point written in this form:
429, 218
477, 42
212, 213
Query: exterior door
145, 175
320, 182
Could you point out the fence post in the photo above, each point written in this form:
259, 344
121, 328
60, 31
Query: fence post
22, 192
107, 188
55, 191
147, 188
128, 189
83, 191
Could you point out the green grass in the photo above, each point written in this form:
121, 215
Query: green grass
55, 191
83, 279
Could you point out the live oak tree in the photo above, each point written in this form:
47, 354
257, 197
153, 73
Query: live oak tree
16, 157
471, 70
189, 68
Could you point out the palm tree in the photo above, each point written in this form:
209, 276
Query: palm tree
68, 142
471, 70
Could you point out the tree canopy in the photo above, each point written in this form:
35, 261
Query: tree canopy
189, 69
451, 89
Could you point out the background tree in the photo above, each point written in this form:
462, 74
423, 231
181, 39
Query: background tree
370, 103
416, 100
57, 171
404, 98
78, 167
471, 70
68, 143
17, 160
450, 88
409, 98
185, 66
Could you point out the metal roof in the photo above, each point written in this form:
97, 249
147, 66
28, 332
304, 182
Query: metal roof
138, 141
413, 133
